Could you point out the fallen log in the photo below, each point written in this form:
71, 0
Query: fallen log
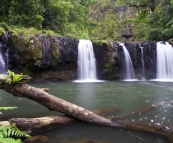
72, 110
33, 126
52, 102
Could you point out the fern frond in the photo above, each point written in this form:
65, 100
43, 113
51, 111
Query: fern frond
12, 131
1, 135
15, 132
6, 108
10, 140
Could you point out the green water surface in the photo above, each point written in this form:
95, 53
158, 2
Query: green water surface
126, 97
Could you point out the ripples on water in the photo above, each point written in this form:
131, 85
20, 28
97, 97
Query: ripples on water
127, 97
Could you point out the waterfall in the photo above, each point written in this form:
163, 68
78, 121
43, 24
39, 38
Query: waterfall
86, 61
2, 62
142, 61
128, 66
164, 61
4, 54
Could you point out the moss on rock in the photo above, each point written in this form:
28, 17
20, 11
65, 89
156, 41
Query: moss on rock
38, 51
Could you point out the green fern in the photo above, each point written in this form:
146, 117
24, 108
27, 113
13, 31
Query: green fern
10, 140
11, 134
6, 108
9, 131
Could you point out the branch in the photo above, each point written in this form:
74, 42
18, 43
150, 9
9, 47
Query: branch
53, 103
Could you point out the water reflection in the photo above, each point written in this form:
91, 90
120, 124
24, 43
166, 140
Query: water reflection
86, 95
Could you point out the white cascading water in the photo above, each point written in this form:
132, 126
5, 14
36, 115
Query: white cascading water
164, 61
128, 66
86, 61
4, 54
2, 62
143, 65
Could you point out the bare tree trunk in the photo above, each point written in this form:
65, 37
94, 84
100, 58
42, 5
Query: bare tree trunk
53, 103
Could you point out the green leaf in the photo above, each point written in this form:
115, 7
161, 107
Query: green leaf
10, 140
6, 108
14, 78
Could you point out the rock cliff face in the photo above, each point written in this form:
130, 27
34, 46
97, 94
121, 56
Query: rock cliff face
38, 52
140, 52
44, 57
111, 59
122, 30
55, 58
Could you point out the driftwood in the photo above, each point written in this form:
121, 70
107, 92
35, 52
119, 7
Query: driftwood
33, 126
53, 103
72, 110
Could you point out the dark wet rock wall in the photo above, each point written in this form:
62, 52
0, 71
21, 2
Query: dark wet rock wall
52, 57
43, 57
134, 49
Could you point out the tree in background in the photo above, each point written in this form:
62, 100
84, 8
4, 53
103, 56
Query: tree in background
26, 13
149, 4
56, 14
161, 24
4, 9
95, 19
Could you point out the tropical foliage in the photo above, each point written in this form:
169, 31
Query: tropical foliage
162, 24
14, 78
6, 108
91, 19
11, 134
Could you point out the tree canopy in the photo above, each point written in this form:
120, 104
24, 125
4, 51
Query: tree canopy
91, 19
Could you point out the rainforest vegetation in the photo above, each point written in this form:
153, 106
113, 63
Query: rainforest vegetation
89, 19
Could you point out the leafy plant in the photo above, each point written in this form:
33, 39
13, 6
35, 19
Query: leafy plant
11, 134
9, 140
14, 78
6, 108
